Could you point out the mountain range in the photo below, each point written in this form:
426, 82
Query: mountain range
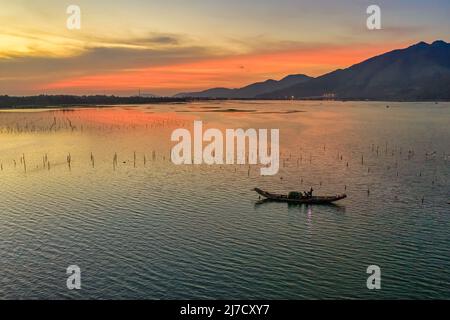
250, 91
419, 72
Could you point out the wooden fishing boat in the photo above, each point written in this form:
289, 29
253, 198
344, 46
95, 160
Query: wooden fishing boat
301, 199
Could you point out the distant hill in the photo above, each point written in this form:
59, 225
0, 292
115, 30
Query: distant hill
419, 72
148, 95
250, 91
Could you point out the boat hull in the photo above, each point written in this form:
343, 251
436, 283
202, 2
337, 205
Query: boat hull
306, 200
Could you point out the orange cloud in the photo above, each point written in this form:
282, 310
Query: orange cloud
226, 72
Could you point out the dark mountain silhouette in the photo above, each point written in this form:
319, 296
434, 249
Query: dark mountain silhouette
419, 72
250, 91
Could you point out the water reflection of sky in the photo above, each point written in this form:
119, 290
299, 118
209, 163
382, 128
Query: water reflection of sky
165, 231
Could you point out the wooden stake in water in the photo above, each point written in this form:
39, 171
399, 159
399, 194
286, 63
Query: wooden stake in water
69, 161
24, 163
115, 161
92, 160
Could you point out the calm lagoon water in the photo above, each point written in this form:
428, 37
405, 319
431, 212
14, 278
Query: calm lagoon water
149, 229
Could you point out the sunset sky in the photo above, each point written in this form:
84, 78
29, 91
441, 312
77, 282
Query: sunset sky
165, 47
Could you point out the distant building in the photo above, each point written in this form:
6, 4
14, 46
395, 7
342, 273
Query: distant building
329, 96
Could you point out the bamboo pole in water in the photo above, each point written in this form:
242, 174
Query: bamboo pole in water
24, 163
92, 160
115, 161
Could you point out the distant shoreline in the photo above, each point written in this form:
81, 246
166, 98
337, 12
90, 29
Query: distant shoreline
58, 101
63, 101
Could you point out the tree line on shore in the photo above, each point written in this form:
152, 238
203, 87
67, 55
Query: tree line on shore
73, 100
